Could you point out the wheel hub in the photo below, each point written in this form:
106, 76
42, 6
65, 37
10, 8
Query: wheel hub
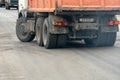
22, 30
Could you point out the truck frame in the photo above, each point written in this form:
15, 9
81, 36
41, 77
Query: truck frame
54, 22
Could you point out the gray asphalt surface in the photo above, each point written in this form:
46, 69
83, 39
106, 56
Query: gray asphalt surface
28, 61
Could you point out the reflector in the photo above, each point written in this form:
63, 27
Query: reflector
111, 23
61, 23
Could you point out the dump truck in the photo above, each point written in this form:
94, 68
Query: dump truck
11, 4
54, 22
2, 3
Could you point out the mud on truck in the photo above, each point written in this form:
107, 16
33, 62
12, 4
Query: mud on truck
54, 22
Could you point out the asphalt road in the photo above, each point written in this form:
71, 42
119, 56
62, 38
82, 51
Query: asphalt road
28, 61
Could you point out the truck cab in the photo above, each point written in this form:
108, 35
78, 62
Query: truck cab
11, 4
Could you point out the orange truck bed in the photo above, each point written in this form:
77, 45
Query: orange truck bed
72, 5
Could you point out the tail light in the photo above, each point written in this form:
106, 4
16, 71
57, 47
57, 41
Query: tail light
111, 23
61, 23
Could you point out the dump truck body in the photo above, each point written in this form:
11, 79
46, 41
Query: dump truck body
54, 22
73, 5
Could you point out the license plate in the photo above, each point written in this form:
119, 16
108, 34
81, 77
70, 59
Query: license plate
86, 20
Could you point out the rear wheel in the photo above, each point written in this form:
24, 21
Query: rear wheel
49, 39
52, 40
39, 26
24, 36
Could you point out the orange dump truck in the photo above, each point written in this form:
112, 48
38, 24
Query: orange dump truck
54, 22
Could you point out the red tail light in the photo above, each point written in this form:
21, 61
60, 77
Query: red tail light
111, 23
61, 24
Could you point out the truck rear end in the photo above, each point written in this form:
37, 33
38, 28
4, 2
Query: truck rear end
54, 22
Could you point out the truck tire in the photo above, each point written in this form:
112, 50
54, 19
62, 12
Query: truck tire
49, 40
38, 29
103, 39
23, 36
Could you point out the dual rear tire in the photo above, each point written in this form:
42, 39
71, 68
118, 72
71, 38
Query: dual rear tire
42, 32
38, 30
45, 38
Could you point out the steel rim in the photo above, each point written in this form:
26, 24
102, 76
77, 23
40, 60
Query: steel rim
21, 31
